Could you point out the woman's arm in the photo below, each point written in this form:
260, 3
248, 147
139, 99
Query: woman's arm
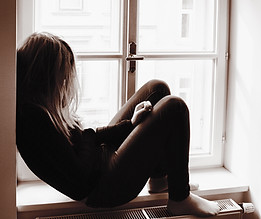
114, 134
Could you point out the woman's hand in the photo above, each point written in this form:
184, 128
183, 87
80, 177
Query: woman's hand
140, 111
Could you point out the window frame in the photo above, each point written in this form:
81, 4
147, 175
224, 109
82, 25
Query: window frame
25, 26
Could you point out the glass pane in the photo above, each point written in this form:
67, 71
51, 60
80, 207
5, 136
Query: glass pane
176, 25
87, 25
187, 4
99, 88
192, 80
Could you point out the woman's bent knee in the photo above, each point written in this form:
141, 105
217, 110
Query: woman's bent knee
159, 86
175, 104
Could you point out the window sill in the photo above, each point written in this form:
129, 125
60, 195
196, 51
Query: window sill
37, 198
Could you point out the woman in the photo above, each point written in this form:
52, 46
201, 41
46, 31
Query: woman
109, 166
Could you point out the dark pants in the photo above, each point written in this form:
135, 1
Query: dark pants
159, 145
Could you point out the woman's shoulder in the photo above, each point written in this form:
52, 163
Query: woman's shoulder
28, 109
32, 117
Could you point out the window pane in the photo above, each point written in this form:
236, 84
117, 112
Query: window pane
185, 26
187, 4
88, 26
176, 25
99, 91
192, 80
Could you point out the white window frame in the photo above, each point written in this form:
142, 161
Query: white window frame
25, 26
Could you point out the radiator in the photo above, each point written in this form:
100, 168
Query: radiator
229, 210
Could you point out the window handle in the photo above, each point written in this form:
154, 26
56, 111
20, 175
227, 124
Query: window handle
132, 57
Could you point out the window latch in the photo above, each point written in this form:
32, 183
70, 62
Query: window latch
132, 57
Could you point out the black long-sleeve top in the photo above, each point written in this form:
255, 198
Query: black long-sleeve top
71, 169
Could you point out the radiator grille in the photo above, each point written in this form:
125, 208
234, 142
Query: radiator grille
226, 205
122, 214
157, 212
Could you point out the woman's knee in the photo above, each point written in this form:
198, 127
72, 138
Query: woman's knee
159, 86
175, 104
156, 90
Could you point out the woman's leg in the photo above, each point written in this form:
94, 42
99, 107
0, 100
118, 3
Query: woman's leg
163, 135
153, 91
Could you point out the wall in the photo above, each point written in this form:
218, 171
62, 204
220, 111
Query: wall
7, 109
243, 148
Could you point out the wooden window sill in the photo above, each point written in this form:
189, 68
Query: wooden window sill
36, 198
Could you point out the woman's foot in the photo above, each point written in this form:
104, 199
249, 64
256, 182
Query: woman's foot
193, 205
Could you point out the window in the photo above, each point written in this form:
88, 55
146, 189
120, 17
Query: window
90, 28
184, 42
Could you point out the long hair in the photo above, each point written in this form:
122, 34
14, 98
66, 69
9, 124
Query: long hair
46, 77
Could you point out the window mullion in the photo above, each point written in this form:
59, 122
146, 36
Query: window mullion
131, 76
81, 57
182, 56
125, 37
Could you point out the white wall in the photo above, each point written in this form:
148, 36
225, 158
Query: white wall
7, 109
243, 149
